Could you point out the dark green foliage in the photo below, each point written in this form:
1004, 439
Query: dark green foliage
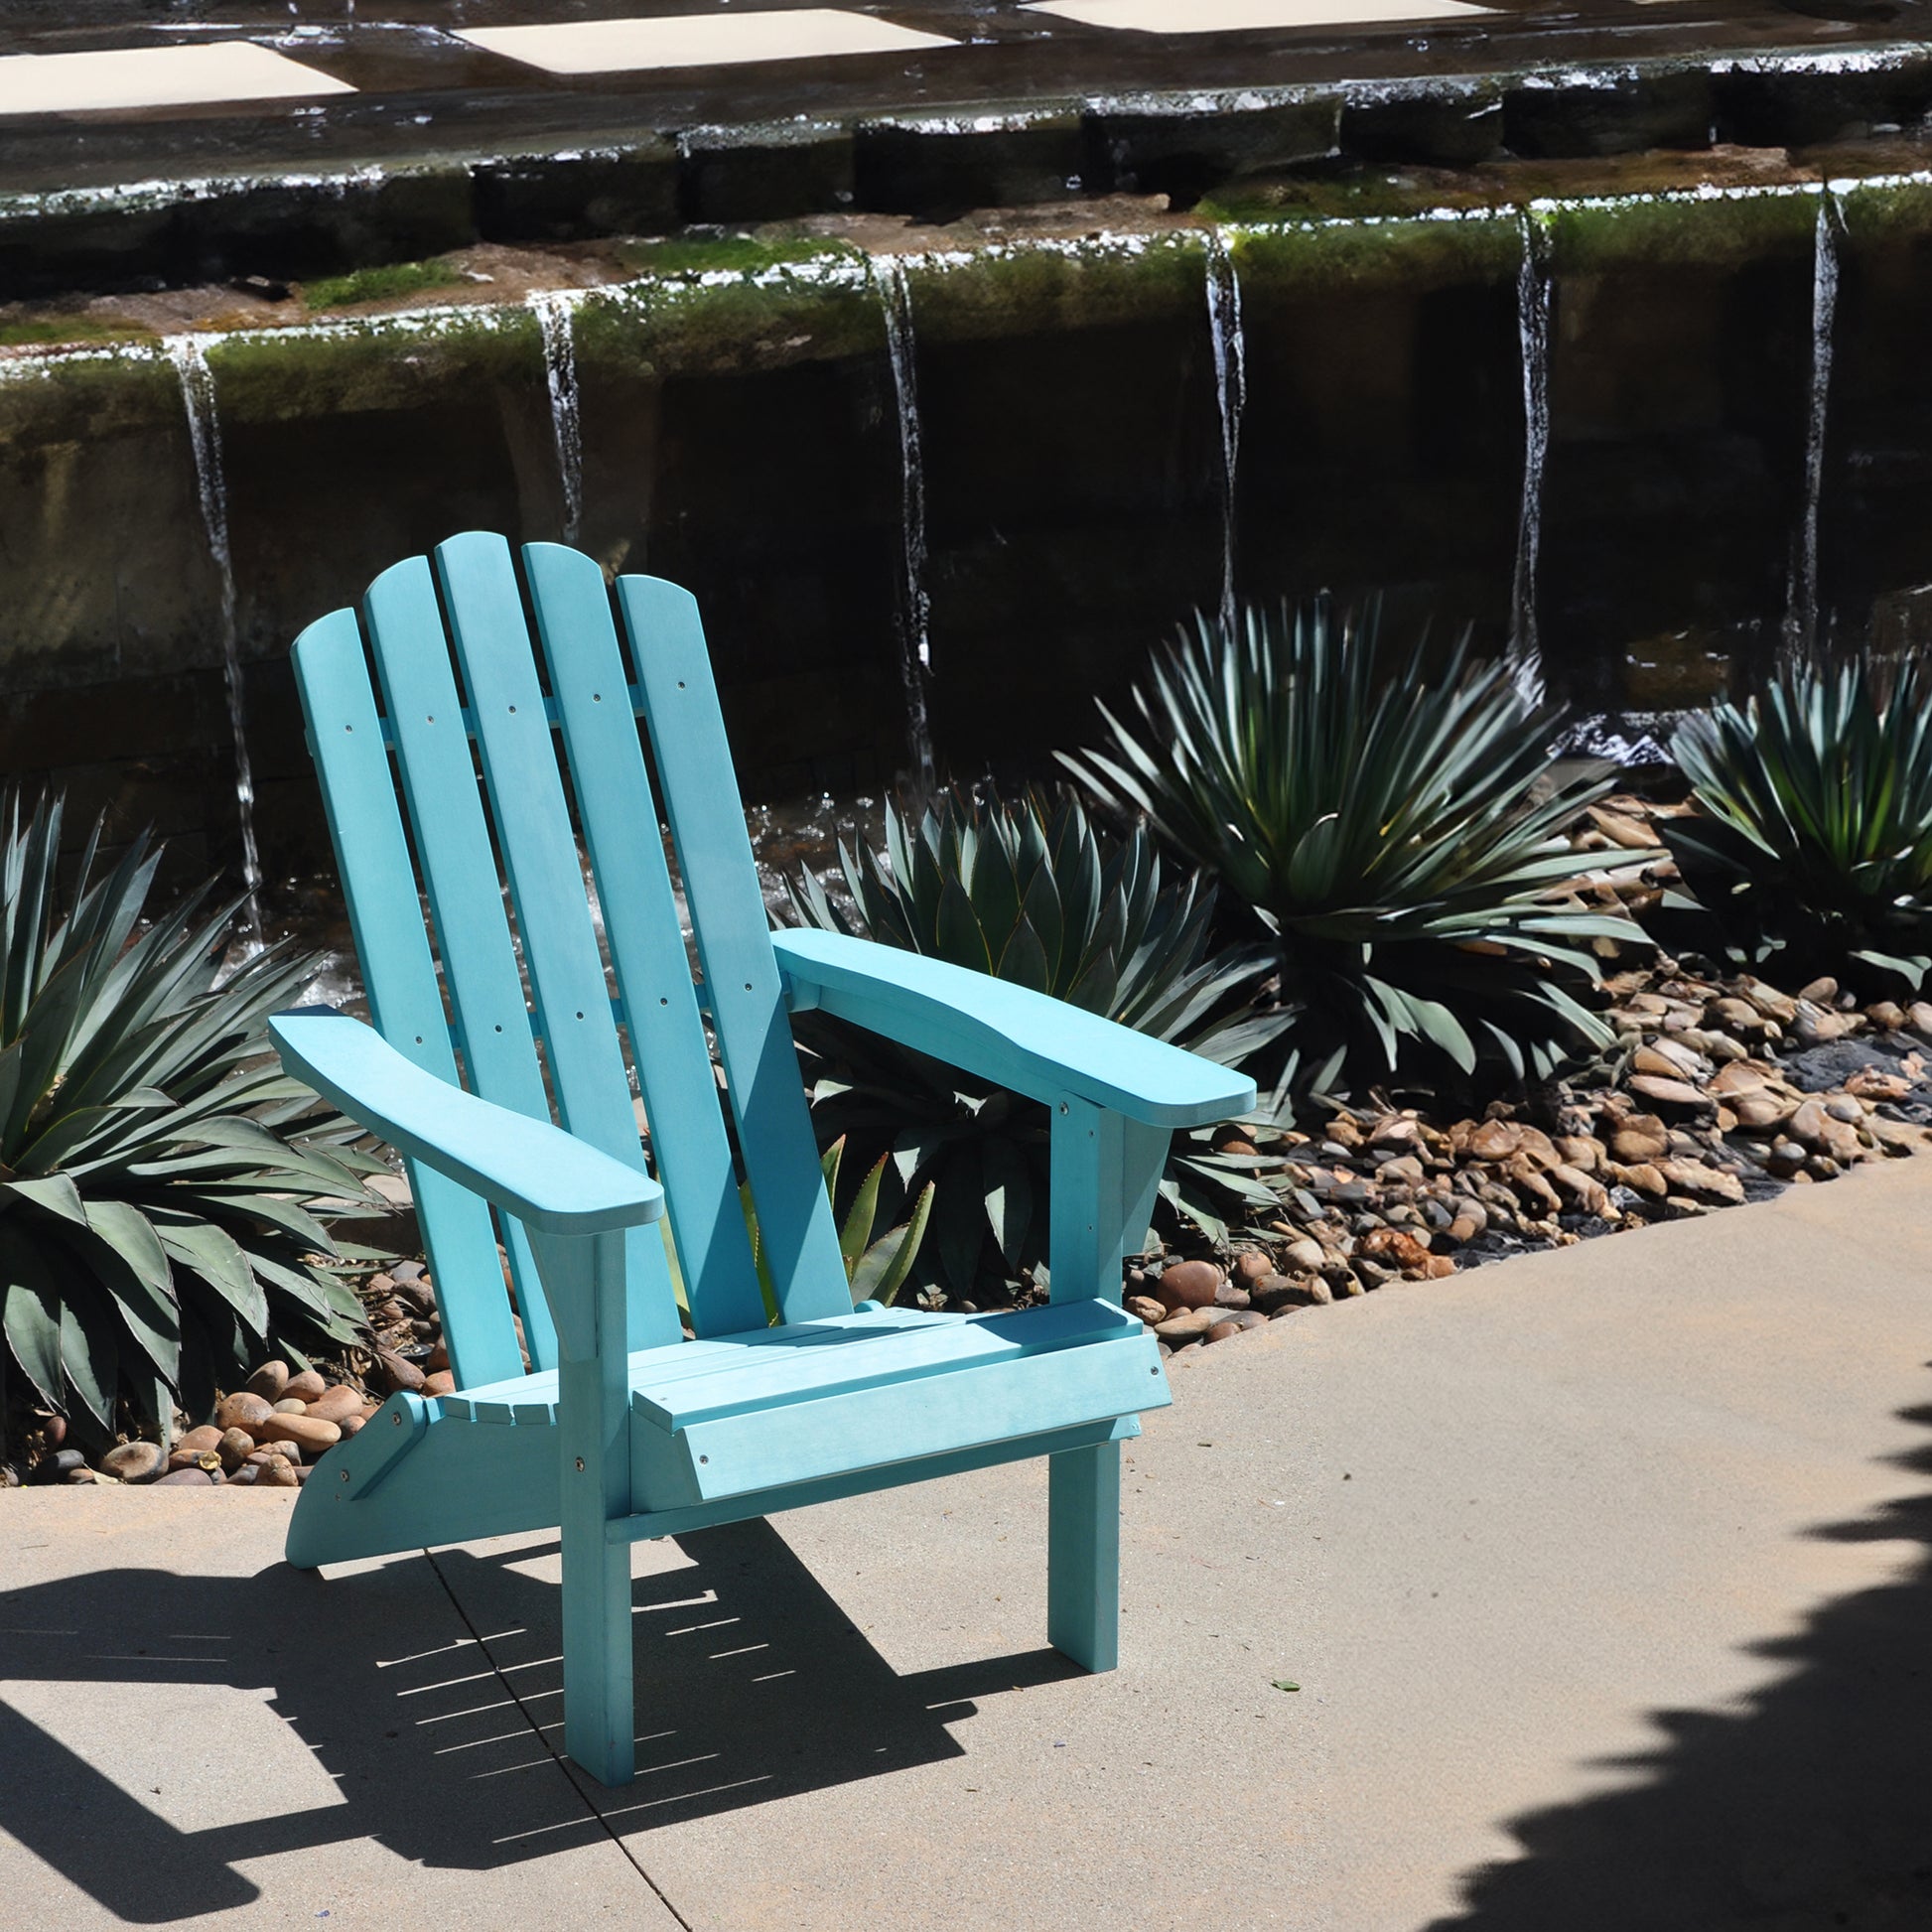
1814, 849
154, 1241
1025, 890
1393, 824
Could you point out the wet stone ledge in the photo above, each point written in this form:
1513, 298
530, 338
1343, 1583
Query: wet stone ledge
934, 163
1019, 425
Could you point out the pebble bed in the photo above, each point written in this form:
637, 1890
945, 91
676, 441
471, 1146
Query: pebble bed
1722, 1088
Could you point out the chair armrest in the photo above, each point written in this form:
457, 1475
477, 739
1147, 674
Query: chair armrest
546, 1178
1029, 1041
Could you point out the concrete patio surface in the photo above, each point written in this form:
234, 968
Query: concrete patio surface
1603, 1575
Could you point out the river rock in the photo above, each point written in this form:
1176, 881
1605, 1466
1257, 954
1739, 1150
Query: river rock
1147, 1308
1667, 1059
1775, 1005
242, 1410
1644, 1175
1762, 1112
194, 1441
1188, 1325
1918, 1015
308, 1386
191, 1476
1700, 1177
270, 1381
1588, 1191
333, 1404
291, 1405
134, 1462
1252, 1265
1638, 1138
443, 1382
1392, 1248
1188, 1285
349, 1424
1302, 1256
278, 1473
1679, 1094
398, 1376
1282, 1291
308, 1433
235, 1448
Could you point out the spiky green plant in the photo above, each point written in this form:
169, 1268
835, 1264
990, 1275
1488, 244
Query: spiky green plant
1028, 891
157, 1168
1814, 844
1395, 826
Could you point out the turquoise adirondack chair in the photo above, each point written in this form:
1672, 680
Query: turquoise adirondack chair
511, 1107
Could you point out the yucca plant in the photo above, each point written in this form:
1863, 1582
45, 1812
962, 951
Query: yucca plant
1395, 826
1813, 844
1028, 891
155, 1166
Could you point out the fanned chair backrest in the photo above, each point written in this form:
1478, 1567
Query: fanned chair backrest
443, 784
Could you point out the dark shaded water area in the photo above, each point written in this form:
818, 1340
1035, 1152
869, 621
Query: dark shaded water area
1639, 422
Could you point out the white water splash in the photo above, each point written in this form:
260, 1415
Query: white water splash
915, 610
1534, 290
189, 358
1801, 602
555, 310
1229, 342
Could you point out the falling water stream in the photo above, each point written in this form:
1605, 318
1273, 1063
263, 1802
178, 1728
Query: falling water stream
1801, 607
1533, 305
189, 358
915, 643
554, 310
1230, 347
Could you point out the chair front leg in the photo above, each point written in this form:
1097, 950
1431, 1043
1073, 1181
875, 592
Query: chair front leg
1104, 1175
593, 1438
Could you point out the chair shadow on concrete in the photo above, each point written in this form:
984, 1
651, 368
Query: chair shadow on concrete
753, 1685
1811, 1808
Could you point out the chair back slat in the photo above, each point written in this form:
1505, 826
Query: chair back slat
561, 959
741, 974
618, 814
379, 885
465, 894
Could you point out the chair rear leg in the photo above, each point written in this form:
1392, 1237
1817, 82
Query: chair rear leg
1083, 1555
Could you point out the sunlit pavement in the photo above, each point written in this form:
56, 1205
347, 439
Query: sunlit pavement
1600, 1575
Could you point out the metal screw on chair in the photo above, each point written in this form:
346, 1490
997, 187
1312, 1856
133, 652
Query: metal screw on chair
579, 1463
344, 1475
395, 1420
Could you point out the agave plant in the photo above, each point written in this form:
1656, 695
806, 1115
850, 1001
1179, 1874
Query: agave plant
875, 1265
1396, 828
1815, 839
1028, 892
155, 1166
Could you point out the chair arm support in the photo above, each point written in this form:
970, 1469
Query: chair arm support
546, 1178
1029, 1041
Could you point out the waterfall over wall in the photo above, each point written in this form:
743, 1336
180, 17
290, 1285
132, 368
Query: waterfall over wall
190, 357
916, 610
1534, 301
1229, 342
